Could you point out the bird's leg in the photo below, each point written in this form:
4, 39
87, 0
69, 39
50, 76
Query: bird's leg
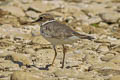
64, 51
55, 55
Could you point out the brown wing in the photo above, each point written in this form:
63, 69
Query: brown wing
62, 31
57, 30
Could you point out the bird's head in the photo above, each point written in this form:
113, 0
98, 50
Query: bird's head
44, 17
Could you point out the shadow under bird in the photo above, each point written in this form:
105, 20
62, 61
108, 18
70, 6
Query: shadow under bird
58, 34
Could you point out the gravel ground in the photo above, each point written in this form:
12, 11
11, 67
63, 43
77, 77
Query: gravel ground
23, 57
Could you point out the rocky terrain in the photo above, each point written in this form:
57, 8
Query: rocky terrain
24, 57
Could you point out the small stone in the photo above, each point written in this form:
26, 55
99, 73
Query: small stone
103, 25
8, 65
43, 6
4, 53
105, 65
22, 59
103, 48
94, 9
88, 29
65, 73
14, 10
116, 77
116, 60
110, 17
116, 0
77, 51
107, 57
32, 14
108, 71
94, 20
27, 1
30, 51
21, 75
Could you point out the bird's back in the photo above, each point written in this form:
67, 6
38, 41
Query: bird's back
56, 30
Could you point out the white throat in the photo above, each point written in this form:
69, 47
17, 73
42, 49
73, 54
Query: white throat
47, 22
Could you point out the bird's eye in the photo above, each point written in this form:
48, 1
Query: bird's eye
41, 18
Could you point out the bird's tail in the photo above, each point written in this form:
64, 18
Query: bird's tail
84, 36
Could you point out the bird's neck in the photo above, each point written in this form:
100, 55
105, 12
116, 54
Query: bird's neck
46, 22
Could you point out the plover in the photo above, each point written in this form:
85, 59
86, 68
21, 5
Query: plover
58, 33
